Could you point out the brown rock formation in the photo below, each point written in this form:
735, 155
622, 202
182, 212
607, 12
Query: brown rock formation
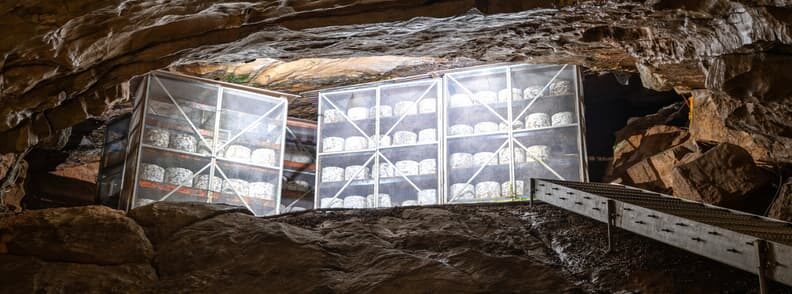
461, 249
726, 176
782, 205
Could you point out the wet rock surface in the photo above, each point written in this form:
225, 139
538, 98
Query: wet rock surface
501, 248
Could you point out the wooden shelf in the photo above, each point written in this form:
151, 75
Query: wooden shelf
157, 190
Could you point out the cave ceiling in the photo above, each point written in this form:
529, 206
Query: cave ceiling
65, 62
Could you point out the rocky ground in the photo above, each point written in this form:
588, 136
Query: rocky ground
169, 247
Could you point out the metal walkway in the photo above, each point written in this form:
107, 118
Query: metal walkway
749, 242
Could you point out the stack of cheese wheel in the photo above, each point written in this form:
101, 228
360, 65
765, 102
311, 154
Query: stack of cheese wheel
156, 137
563, 118
354, 143
537, 120
461, 160
408, 167
537, 153
504, 156
517, 189
405, 108
202, 182
355, 201
333, 116
384, 201
532, 92
384, 111
331, 203
332, 144
462, 191
404, 138
488, 189
506, 95
384, 141
182, 141
460, 129
178, 176
262, 190
386, 170
152, 172
428, 166
356, 172
485, 127
238, 152
560, 87
332, 174
264, 156
358, 113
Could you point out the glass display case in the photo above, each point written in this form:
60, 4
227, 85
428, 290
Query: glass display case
111, 166
467, 135
508, 124
194, 139
382, 140
299, 168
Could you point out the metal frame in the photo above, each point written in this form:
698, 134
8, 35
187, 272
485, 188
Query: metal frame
443, 80
749, 242
280, 108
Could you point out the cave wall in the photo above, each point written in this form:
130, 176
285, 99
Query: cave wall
61, 66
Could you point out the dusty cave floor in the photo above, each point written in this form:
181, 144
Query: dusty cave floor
199, 248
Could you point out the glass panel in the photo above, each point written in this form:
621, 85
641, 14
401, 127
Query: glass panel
407, 177
477, 169
548, 91
297, 191
346, 120
170, 175
345, 180
477, 102
254, 187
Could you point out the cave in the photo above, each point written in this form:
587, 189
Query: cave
682, 116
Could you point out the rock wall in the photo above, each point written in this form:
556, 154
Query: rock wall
192, 247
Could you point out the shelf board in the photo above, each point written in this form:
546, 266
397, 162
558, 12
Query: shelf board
246, 165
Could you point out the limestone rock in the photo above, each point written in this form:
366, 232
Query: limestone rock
161, 220
639, 147
727, 176
89, 234
24, 274
782, 206
13, 172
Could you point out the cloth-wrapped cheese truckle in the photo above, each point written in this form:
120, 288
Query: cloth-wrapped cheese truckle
238, 152
356, 172
354, 143
178, 176
408, 167
264, 156
332, 174
157, 137
537, 153
384, 141
384, 201
405, 138
241, 186
560, 87
427, 197
183, 142
563, 118
355, 201
462, 191
428, 166
532, 92
460, 129
488, 189
330, 202
384, 111
262, 190
537, 120
332, 144
461, 160
202, 182
506, 95
358, 113
152, 172
485, 127
332, 116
